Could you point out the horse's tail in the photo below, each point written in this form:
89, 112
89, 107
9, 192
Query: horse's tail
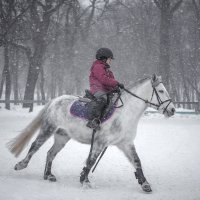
17, 144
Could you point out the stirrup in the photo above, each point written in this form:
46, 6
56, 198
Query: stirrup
94, 124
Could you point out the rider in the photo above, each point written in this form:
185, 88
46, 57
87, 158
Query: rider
102, 81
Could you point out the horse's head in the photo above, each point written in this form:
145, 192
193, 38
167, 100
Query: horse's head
160, 99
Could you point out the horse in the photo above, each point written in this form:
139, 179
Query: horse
120, 130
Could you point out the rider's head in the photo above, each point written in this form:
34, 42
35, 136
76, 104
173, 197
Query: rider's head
104, 54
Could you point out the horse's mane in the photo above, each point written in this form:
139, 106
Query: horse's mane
139, 82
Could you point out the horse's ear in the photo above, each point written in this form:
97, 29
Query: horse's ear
160, 78
154, 77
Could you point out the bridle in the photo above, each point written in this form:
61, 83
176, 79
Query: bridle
160, 102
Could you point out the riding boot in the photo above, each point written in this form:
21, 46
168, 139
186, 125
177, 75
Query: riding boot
95, 112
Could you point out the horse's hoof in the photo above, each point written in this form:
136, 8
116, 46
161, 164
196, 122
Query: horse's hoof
50, 177
86, 185
146, 187
82, 179
20, 165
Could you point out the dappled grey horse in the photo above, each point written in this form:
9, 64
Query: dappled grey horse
119, 130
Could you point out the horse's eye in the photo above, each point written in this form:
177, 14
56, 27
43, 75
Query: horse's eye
161, 91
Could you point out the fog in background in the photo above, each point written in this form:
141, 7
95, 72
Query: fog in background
47, 46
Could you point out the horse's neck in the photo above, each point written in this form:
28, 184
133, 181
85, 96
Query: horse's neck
134, 107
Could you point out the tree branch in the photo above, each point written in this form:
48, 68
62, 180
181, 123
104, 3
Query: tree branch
34, 13
128, 8
195, 4
105, 7
13, 21
90, 17
48, 12
2, 13
84, 11
195, 70
176, 6
41, 4
26, 49
122, 4
18, 17
197, 9
157, 4
194, 88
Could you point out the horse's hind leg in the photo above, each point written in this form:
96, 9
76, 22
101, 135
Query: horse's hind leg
45, 132
60, 139
130, 152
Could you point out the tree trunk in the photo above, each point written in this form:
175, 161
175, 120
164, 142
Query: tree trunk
35, 64
33, 73
185, 85
2, 82
164, 60
60, 87
7, 77
42, 85
15, 76
53, 82
167, 11
38, 93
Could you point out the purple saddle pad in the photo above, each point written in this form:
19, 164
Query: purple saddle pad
80, 109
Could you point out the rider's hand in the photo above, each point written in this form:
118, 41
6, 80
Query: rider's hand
121, 85
116, 90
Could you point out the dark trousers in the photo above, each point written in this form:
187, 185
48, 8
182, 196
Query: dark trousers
97, 107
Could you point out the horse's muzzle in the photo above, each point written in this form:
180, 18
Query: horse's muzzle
169, 112
173, 111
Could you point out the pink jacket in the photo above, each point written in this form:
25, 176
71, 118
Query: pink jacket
101, 78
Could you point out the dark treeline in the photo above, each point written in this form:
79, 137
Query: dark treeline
48, 46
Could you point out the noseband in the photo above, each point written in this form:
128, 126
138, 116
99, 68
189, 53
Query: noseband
160, 102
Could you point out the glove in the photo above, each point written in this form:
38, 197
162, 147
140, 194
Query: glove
116, 90
121, 85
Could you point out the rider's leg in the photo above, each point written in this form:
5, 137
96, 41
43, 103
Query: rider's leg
96, 109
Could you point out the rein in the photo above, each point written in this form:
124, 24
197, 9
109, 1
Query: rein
149, 102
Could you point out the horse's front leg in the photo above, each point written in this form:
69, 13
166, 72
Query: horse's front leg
97, 149
130, 152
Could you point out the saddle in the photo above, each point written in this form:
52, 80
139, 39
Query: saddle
80, 107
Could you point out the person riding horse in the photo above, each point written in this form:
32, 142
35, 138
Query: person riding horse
102, 81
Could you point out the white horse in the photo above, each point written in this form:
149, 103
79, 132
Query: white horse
119, 130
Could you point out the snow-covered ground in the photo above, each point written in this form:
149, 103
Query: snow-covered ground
169, 150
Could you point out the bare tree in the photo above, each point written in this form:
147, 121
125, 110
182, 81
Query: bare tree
8, 18
166, 10
39, 20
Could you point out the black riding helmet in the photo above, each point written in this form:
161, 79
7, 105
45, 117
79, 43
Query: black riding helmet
104, 53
